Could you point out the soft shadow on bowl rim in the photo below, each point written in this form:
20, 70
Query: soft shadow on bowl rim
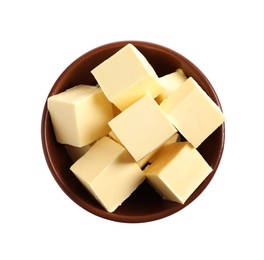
144, 204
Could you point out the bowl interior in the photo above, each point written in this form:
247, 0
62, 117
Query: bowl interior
144, 204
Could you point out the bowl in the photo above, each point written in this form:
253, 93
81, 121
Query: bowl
144, 204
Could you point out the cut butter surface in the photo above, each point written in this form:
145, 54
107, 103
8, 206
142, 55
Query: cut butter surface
127, 76
109, 173
80, 115
142, 127
192, 112
177, 172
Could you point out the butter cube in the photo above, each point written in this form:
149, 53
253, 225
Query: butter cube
177, 172
127, 76
108, 172
142, 127
80, 115
170, 82
192, 112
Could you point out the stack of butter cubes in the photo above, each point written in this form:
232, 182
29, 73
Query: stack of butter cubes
127, 129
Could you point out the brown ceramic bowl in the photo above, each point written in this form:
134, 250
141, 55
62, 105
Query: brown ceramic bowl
144, 204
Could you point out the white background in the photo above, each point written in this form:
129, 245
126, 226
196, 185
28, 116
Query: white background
39, 40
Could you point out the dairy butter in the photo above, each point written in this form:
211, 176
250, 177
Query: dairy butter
142, 127
177, 172
108, 172
127, 76
80, 115
192, 112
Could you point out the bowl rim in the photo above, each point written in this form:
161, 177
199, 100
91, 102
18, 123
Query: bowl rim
56, 175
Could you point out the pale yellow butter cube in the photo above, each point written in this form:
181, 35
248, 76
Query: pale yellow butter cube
109, 173
80, 115
192, 112
142, 127
127, 76
170, 82
177, 172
